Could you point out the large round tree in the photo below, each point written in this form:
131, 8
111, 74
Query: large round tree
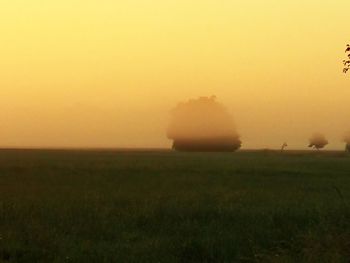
202, 125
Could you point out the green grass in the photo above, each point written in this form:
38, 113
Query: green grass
105, 206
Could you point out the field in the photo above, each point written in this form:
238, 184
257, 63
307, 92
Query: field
163, 206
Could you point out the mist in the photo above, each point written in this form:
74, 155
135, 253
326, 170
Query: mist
201, 118
139, 61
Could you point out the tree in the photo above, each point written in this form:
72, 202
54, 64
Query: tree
346, 139
346, 61
347, 147
318, 141
284, 145
203, 124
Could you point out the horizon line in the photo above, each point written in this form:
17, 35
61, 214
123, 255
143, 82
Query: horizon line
88, 148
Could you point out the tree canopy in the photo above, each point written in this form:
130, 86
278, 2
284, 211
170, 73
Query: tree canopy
203, 124
318, 141
346, 61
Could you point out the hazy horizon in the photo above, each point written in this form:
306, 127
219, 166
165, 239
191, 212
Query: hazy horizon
92, 74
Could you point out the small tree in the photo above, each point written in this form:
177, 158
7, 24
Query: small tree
284, 145
346, 139
346, 61
318, 141
347, 147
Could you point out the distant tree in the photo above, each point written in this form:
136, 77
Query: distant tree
318, 141
346, 61
203, 124
346, 139
347, 147
284, 145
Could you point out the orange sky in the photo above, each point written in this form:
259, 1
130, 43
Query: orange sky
105, 73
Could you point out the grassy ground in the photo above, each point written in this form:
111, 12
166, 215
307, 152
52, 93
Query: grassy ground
90, 206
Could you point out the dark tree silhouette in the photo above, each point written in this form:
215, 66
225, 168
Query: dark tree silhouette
318, 141
347, 147
346, 139
284, 145
202, 124
346, 61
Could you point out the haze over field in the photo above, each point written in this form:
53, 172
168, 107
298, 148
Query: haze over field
189, 120
106, 73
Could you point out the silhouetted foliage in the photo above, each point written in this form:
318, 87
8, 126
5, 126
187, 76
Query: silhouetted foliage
346, 61
347, 147
223, 144
203, 124
318, 141
346, 139
284, 145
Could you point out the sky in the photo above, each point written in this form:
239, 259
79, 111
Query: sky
106, 73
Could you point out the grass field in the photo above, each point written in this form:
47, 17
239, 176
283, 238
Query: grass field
160, 206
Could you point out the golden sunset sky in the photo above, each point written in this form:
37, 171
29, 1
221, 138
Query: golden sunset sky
105, 73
